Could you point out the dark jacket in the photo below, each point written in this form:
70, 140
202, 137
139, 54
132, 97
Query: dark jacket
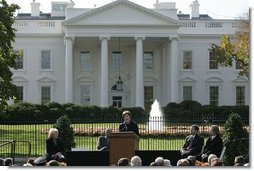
132, 126
196, 146
103, 143
213, 146
53, 148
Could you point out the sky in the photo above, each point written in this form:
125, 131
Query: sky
218, 9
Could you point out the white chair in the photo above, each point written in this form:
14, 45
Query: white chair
222, 153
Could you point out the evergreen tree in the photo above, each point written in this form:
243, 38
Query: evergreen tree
7, 54
66, 132
235, 138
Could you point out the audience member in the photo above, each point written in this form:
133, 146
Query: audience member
214, 144
1, 162
123, 162
53, 163
192, 160
167, 162
154, 164
193, 143
159, 161
210, 157
216, 162
104, 141
136, 161
8, 162
183, 162
239, 161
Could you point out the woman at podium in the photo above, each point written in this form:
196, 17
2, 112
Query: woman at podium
128, 124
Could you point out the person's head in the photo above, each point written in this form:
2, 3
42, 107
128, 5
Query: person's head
1, 162
31, 161
136, 161
107, 132
159, 161
53, 163
239, 161
53, 133
210, 157
194, 129
216, 162
192, 160
183, 162
126, 116
123, 162
214, 130
154, 164
167, 162
8, 162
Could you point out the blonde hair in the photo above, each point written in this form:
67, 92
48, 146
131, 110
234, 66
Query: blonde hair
126, 112
51, 132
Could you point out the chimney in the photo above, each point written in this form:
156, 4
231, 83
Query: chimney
194, 9
71, 4
35, 9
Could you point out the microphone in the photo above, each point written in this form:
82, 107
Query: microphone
125, 127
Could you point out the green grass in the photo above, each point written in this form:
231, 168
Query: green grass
34, 135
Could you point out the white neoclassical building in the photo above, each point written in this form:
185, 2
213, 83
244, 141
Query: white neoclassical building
123, 54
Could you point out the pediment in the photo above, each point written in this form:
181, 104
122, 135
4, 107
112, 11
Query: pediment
19, 79
187, 80
214, 80
121, 12
240, 80
45, 79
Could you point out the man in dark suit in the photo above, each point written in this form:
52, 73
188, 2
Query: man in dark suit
193, 143
214, 144
128, 124
104, 141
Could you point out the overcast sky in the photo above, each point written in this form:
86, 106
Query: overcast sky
219, 9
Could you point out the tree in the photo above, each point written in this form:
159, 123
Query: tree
66, 132
235, 48
7, 54
235, 138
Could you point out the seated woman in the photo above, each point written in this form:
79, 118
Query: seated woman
103, 141
54, 146
214, 144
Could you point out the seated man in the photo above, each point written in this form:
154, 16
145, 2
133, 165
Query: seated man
214, 144
103, 141
193, 143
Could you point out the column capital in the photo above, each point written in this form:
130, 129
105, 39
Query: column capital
173, 38
139, 37
72, 38
104, 37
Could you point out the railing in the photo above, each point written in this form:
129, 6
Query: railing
210, 24
12, 154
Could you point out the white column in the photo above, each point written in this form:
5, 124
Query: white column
68, 70
139, 72
104, 71
163, 77
174, 70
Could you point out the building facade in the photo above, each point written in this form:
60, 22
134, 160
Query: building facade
125, 55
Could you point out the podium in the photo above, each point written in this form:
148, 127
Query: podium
122, 144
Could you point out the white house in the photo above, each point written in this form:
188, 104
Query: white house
123, 54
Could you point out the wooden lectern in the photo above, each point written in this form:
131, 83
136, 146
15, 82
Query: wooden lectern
122, 144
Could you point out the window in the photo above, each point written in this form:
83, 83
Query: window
85, 61
214, 95
117, 101
117, 61
45, 60
148, 97
238, 65
240, 96
58, 7
85, 94
187, 60
45, 94
187, 92
20, 60
148, 60
212, 61
19, 97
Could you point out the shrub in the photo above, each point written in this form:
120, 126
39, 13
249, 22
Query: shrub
66, 132
234, 133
